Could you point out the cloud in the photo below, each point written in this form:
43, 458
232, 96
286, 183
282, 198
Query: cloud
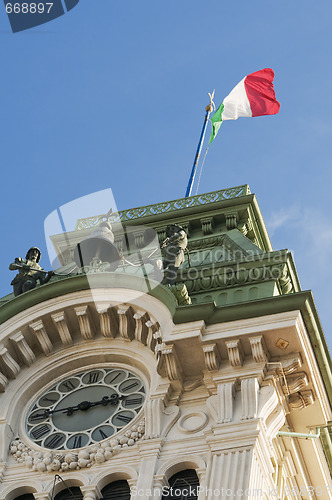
281, 217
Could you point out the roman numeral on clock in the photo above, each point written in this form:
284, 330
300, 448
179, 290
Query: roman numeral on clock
49, 399
41, 431
69, 385
37, 416
77, 442
133, 401
134, 384
93, 377
124, 418
114, 378
102, 433
54, 441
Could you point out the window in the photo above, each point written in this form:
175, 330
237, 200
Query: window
26, 496
118, 490
73, 493
183, 486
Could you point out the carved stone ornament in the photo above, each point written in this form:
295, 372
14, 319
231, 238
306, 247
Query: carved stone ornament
207, 225
46, 461
231, 220
300, 400
180, 292
95, 266
193, 422
235, 352
168, 359
295, 382
211, 356
259, 349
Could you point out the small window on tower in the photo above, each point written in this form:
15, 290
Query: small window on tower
73, 493
118, 490
183, 486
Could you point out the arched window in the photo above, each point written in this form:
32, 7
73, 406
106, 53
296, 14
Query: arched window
118, 490
26, 496
183, 486
73, 493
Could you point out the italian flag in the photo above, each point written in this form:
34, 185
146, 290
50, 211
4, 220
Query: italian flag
253, 96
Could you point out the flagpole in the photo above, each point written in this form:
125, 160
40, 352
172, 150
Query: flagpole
208, 110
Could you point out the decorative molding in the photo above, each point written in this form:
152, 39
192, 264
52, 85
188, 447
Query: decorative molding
161, 208
282, 343
249, 398
168, 359
109, 321
169, 417
43, 339
85, 322
22, 348
300, 400
268, 401
126, 322
225, 395
153, 411
8, 364
296, 383
159, 418
180, 292
207, 225
231, 220
290, 365
193, 422
91, 492
141, 328
275, 421
139, 238
3, 382
161, 232
152, 337
60, 322
191, 385
259, 349
222, 476
235, 352
66, 460
210, 242
285, 280
211, 356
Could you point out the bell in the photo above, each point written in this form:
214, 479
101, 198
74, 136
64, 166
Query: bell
100, 244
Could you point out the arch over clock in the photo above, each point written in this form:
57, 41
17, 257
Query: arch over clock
83, 316
85, 407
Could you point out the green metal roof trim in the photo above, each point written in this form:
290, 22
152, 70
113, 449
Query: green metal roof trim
51, 290
165, 207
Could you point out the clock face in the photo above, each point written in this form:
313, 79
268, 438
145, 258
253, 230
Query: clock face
85, 408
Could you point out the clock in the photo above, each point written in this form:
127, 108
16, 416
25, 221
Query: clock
85, 408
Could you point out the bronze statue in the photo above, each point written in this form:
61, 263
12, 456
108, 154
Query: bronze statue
29, 272
174, 246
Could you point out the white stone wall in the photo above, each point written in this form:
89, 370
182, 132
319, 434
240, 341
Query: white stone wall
215, 400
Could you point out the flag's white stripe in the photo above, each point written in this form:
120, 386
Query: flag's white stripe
236, 103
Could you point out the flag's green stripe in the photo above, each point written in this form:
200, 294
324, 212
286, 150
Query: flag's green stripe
216, 121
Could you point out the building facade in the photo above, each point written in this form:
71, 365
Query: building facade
114, 385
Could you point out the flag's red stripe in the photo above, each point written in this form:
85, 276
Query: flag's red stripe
260, 92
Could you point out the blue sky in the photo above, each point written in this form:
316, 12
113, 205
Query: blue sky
112, 95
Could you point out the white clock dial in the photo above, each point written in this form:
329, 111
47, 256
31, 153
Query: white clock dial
85, 408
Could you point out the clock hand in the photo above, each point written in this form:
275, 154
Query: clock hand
83, 406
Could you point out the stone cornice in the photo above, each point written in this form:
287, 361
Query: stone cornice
167, 207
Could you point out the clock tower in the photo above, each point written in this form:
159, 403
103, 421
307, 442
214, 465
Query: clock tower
118, 383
